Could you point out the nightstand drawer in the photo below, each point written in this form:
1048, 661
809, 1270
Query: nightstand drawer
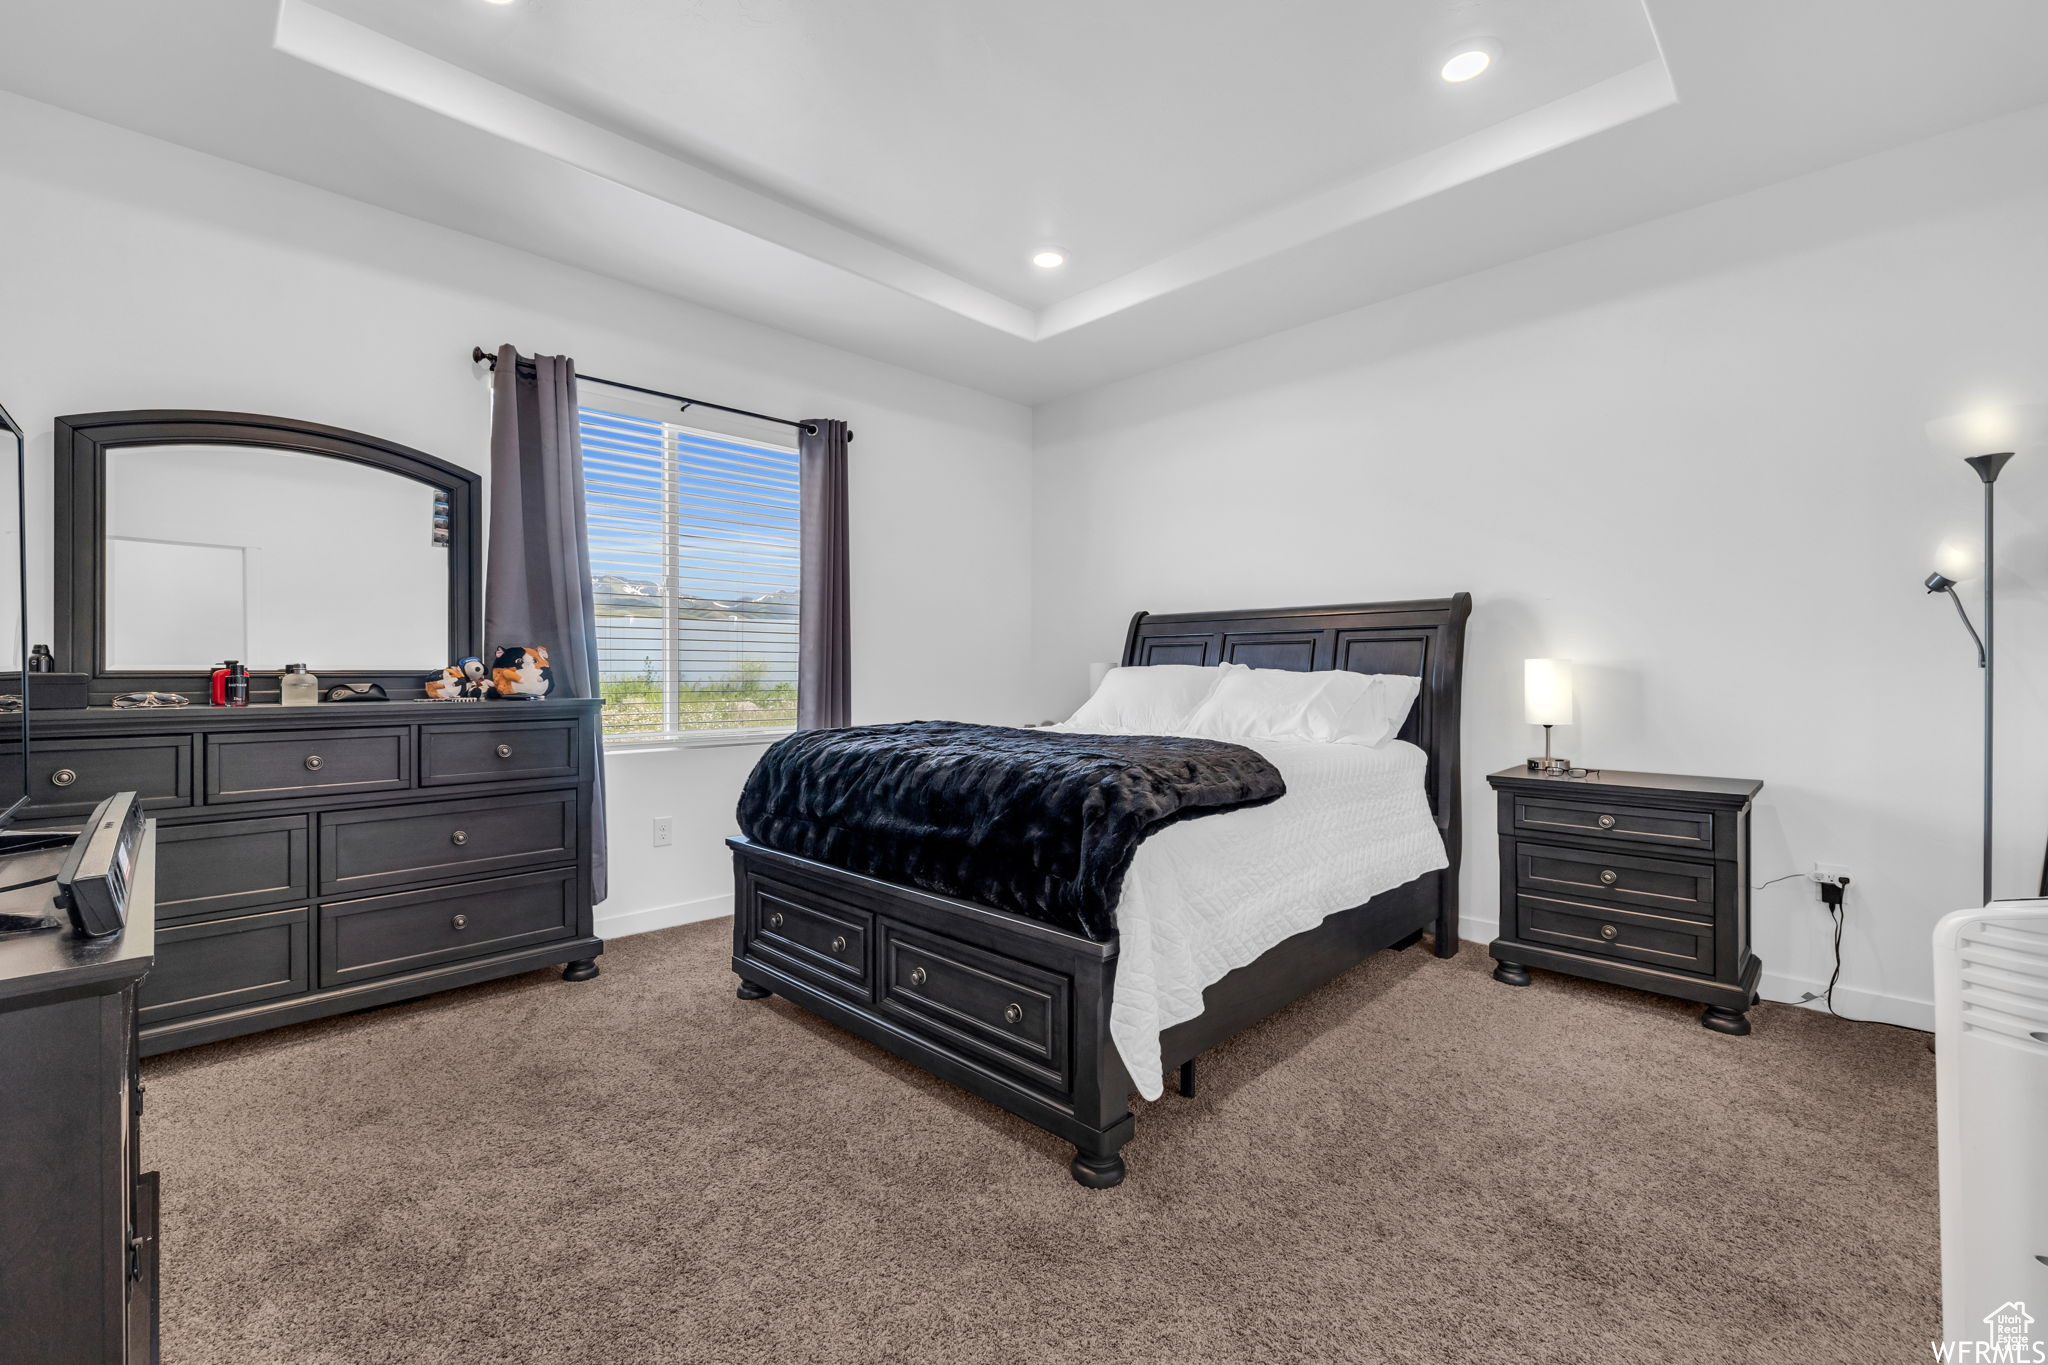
1653, 884
1607, 931
1598, 819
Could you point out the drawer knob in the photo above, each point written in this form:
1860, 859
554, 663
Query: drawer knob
312, 763
1608, 876
504, 751
1013, 1014
1607, 822
460, 836
839, 944
63, 777
1608, 931
460, 921
917, 976
775, 920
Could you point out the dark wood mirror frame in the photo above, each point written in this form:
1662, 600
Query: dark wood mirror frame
82, 441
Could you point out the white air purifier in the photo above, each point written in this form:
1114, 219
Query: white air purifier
1991, 1063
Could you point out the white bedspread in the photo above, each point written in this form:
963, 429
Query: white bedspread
1206, 896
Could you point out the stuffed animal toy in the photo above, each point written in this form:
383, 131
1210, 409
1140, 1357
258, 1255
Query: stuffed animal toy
462, 680
521, 673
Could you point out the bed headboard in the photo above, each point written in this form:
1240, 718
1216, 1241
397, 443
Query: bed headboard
1424, 639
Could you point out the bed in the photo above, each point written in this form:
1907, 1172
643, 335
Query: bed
1017, 1011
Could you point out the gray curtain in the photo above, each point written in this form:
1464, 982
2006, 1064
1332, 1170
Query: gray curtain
537, 576
824, 689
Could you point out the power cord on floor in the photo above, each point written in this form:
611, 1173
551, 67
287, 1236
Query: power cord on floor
1832, 895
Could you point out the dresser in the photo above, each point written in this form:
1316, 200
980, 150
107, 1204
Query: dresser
1636, 879
78, 1214
321, 859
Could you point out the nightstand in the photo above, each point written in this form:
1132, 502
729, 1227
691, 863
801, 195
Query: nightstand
1636, 879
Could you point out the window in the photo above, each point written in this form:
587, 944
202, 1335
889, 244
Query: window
693, 565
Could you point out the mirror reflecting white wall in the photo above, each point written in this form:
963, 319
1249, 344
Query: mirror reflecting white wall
271, 557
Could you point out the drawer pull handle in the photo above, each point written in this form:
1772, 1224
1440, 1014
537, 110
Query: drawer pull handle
1013, 1014
1607, 822
460, 921
504, 751
1608, 932
917, 976
775, 920
460, 836
839, 944
63, 777
1608, 876
313, 763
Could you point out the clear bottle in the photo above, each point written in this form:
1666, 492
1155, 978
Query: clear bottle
297, 687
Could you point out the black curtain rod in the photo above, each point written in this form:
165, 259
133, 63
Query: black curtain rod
482, 356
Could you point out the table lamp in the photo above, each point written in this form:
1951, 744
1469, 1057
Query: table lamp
1547, 701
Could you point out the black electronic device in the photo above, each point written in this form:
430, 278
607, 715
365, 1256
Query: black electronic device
94, 882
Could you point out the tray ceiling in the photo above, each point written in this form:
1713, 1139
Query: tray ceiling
877, 175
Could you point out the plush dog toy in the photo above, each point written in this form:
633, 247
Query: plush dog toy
521, 673
462, 680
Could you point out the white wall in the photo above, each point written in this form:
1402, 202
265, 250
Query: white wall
1688, 456
141, 275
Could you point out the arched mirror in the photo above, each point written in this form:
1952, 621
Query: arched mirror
185, 539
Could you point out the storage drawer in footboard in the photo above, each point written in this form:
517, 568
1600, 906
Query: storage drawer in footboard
979, 1005
385, 935
813, 937
224, 963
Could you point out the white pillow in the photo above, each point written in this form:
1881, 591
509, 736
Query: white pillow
1151, 699
1330, 707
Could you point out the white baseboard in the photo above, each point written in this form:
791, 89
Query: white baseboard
1853, 1001
662, 916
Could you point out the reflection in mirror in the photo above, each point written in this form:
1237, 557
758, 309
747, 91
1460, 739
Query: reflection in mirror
12, 599
271, 557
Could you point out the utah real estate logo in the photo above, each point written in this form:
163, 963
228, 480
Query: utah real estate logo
2008, 1340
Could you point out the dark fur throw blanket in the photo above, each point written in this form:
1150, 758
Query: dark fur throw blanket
1036, 822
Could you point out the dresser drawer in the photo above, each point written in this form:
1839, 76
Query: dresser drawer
229, 865
1620, 823
1607, 931
1653, 884
811, 936
385, 935
497, 753
387, 846
68, 777
224, 963
990, 1008
272, 766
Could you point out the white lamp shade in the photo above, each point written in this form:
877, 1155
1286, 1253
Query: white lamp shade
1096, 673
1958, 559
1989, 430
1547, 691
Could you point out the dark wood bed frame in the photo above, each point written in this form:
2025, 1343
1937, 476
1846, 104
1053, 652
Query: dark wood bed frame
1016, 1011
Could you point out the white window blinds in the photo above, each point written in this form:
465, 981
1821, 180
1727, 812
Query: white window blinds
693, 562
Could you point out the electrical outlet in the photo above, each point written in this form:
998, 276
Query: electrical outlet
1829, 874
664, 830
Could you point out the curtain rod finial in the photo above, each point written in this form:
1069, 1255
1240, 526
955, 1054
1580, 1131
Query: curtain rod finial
477, 356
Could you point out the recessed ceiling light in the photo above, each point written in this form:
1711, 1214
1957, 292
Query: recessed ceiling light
1470, 60
498, 2
1049, 259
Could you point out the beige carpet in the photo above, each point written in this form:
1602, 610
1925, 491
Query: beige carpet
1414, 1164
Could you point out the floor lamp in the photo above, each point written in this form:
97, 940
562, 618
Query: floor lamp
1976, 438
